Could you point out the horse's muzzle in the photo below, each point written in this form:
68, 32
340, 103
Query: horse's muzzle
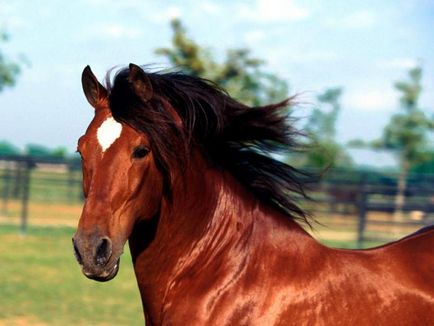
95, 256
105, 275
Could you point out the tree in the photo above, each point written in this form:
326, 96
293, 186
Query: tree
9, 70
240, 74
37, 150
8, 149
425, 167
59, 152
407, 133
321, 128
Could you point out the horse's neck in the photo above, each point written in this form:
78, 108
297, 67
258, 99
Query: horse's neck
208, 216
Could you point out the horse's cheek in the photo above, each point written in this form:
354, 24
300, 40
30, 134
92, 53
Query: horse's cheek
145, 198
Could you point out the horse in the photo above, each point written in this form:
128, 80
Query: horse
189, 177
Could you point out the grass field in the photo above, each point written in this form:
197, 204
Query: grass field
41, 284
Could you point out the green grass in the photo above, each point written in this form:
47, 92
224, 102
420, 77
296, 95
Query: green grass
41, 283
350, 244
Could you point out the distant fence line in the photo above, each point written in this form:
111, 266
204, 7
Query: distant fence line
344, 193
26, 178
364, 192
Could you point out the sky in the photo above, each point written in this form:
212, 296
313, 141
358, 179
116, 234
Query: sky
363, 46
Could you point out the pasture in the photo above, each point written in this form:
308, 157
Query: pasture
41, 283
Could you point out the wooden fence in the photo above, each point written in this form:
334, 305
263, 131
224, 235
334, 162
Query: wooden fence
45, 180
369, 197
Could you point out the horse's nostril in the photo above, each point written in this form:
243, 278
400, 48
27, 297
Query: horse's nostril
77, 253
103, 251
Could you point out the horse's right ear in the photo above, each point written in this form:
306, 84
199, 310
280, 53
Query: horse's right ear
92, 88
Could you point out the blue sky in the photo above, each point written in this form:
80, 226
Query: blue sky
361, 45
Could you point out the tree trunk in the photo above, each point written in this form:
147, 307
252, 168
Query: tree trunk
400, 195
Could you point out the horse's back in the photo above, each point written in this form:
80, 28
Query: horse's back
411, 260
414, 253
421, 240
392, 284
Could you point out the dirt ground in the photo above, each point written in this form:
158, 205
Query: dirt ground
43, 214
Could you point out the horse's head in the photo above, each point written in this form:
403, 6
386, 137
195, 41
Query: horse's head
121, 185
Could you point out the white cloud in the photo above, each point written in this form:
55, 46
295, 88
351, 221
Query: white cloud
281, 55
162, 16
397, 63
125, 4
274, 10
6, 9
119, 31
173, 12
254, 37
10, 19
370, 100
14, 23
209, 7
357, 20
318, 56
112, 32
360, 19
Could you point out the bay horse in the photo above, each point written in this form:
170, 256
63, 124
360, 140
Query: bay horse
185, 173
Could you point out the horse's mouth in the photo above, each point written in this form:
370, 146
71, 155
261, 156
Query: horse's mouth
106, 275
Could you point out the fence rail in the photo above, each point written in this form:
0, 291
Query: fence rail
45, 180
367, 195
363, 201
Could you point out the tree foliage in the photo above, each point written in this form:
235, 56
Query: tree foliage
239, 73
8, 149
321, 128
37, 150
408, 131
9, 70
427, 166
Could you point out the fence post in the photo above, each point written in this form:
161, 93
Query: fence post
362, 208
70, 183
6, 187
25, 190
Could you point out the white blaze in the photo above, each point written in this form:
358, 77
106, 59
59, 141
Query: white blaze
108, 132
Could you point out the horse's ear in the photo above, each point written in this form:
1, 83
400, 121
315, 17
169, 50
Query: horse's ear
140, 82
92, 88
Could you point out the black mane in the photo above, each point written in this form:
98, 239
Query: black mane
231, 135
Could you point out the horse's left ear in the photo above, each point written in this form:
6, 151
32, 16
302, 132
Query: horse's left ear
92, 88
140, 82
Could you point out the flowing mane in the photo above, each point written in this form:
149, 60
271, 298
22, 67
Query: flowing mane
241, 139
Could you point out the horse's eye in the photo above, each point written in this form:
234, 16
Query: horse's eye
140, 152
